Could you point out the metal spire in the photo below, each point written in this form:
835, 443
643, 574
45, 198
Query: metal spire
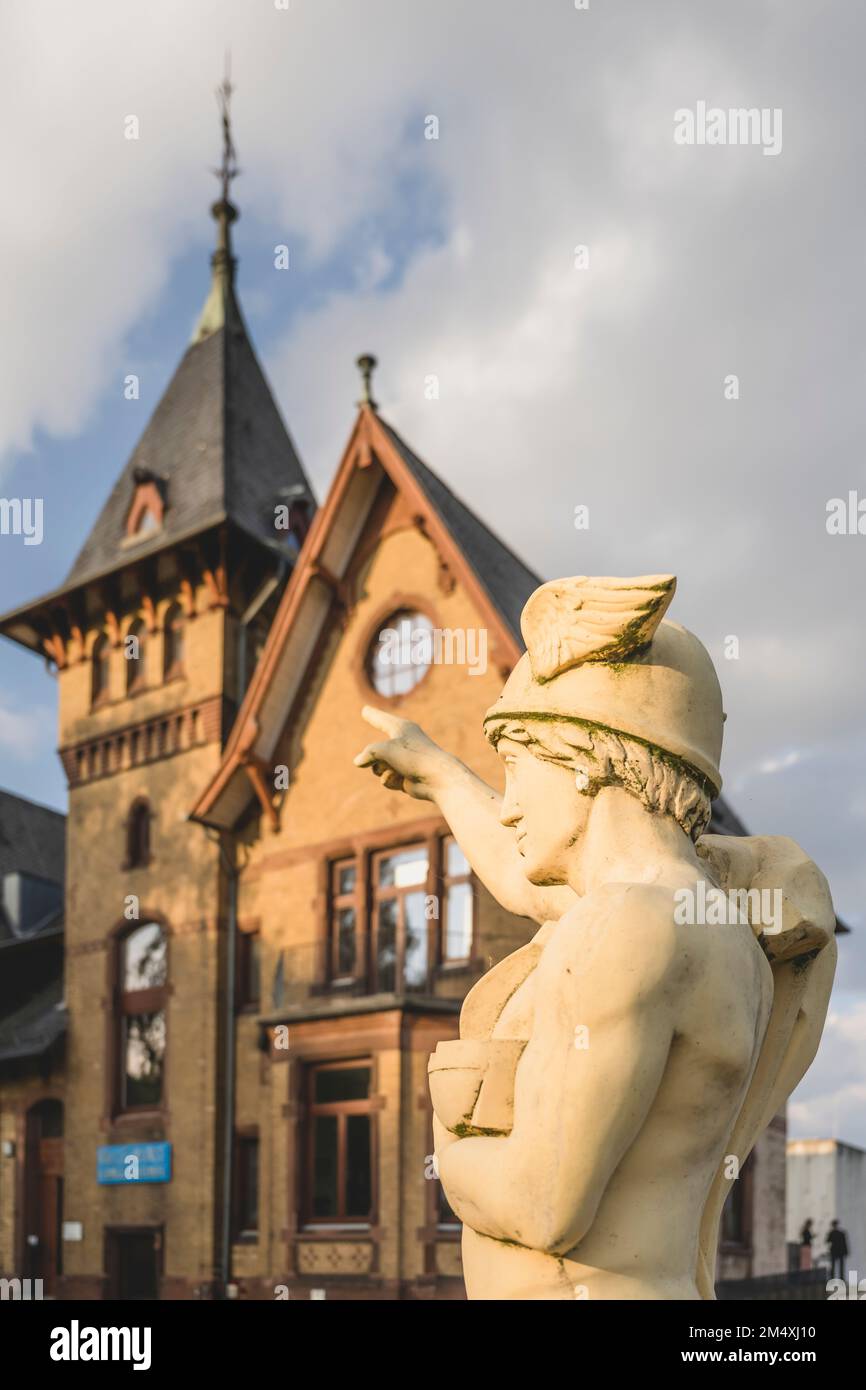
229, 168
224, 212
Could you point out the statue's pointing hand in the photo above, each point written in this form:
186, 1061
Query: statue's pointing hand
407, 760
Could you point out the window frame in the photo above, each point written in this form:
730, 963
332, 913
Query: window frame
139, 813
364, 856
378, 895
445, 881
243, 1234
130, 1003
247, 996
309, 1222
338, 902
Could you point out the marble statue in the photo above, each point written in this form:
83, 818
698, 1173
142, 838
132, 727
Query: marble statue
612, 1075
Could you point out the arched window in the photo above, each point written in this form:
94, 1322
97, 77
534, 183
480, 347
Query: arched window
173, 642
138, 835
134, 647
141, 1023
100, 669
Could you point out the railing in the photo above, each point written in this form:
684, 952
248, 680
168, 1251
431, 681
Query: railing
390, 966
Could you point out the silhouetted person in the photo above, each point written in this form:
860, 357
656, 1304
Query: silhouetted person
837, 1244
807, 1235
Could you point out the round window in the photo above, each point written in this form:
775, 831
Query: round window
401, 653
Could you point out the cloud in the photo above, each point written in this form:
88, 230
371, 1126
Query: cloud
22, 733
830, 1103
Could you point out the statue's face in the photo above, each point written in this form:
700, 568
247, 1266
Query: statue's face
546, 810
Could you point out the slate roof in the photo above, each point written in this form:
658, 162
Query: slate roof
218, 441
32, 839
32, 1028
508, 581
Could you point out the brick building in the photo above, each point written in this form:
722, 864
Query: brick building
234, 1095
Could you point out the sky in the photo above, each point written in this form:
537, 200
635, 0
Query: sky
598, 378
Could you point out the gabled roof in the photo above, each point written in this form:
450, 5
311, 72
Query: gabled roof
508, 581
35, 1025
495, 578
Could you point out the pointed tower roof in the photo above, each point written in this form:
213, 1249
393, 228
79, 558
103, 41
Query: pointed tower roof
215, 450
216, 445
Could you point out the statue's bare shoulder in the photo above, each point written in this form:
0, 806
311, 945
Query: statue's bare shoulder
625, 935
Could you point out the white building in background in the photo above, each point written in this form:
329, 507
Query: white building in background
827, 1181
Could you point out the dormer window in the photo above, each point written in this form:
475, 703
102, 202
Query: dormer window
145, 514
147, 522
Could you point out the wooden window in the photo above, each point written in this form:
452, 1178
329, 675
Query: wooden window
401, 940
100, 670
134, 648
138, 835
141, 1022
458, 903
173, 642
249, 969
339, 1125
343, 945
245, 1204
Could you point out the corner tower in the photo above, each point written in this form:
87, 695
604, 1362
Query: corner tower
154, 634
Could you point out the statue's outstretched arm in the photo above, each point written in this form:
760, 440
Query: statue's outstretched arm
408, 761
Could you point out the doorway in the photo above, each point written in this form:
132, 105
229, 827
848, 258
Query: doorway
43, 1194
133, 1259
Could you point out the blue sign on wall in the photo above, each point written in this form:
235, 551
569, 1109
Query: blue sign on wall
132, 1163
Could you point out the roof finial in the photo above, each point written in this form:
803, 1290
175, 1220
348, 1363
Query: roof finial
367, 364
213, 315
224, 210
229, 169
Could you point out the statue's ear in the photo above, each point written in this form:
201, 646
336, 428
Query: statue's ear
569, 621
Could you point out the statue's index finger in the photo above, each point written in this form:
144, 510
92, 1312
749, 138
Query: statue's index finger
390, 724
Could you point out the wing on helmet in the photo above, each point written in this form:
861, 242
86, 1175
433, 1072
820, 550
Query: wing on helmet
569, 621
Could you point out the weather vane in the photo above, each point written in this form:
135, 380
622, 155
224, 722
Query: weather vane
229, 169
